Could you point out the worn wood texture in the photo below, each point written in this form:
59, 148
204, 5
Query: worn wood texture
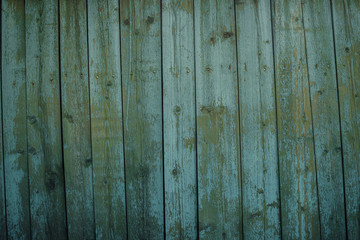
76, 120
219, 174
346, 23
106, 119
299, 202
3, 230
260, 176
142, 101
47, 197
179, 119
325, 115
193, 119
14, 119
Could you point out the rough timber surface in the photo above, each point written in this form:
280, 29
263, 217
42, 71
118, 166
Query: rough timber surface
180, 119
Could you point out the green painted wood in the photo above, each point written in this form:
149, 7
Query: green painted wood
3, 230
346, 20
106, 119
261, 200
145, 78
46, 176
142, 102
179, 119
76, 120
325, 114
14, 119
219, 174
299, 202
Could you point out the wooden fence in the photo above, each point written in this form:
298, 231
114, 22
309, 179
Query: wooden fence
180, 119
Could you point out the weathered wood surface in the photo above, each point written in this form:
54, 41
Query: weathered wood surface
219, 173
209, 119
260, 176
346, 23
14, 120
106, 119
298, 187
78, 162
47, 198
3, 230
142, 102
179, 119
325, 115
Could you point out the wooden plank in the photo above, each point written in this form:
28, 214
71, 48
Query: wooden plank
179, 120
14, 119
299, 203
219, 175
141, 72
106, 119
47, 196
260, 176
346, 20
76, 120
325, 113
3, 230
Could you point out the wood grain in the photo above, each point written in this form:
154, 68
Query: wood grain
260, 175
142, 101
299, 197
3, 230
47, 196
106, 119
325, 114
14, 119
179, 119
78, 161
192, 119
346, 21
219, 174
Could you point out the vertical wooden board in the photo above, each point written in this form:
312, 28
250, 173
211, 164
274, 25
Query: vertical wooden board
299, 203
219, 176
14, 114
76, 120
141, 74
106, 119
323, 93
261, 200
3, 231
346, 19
47, 197
179, 119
